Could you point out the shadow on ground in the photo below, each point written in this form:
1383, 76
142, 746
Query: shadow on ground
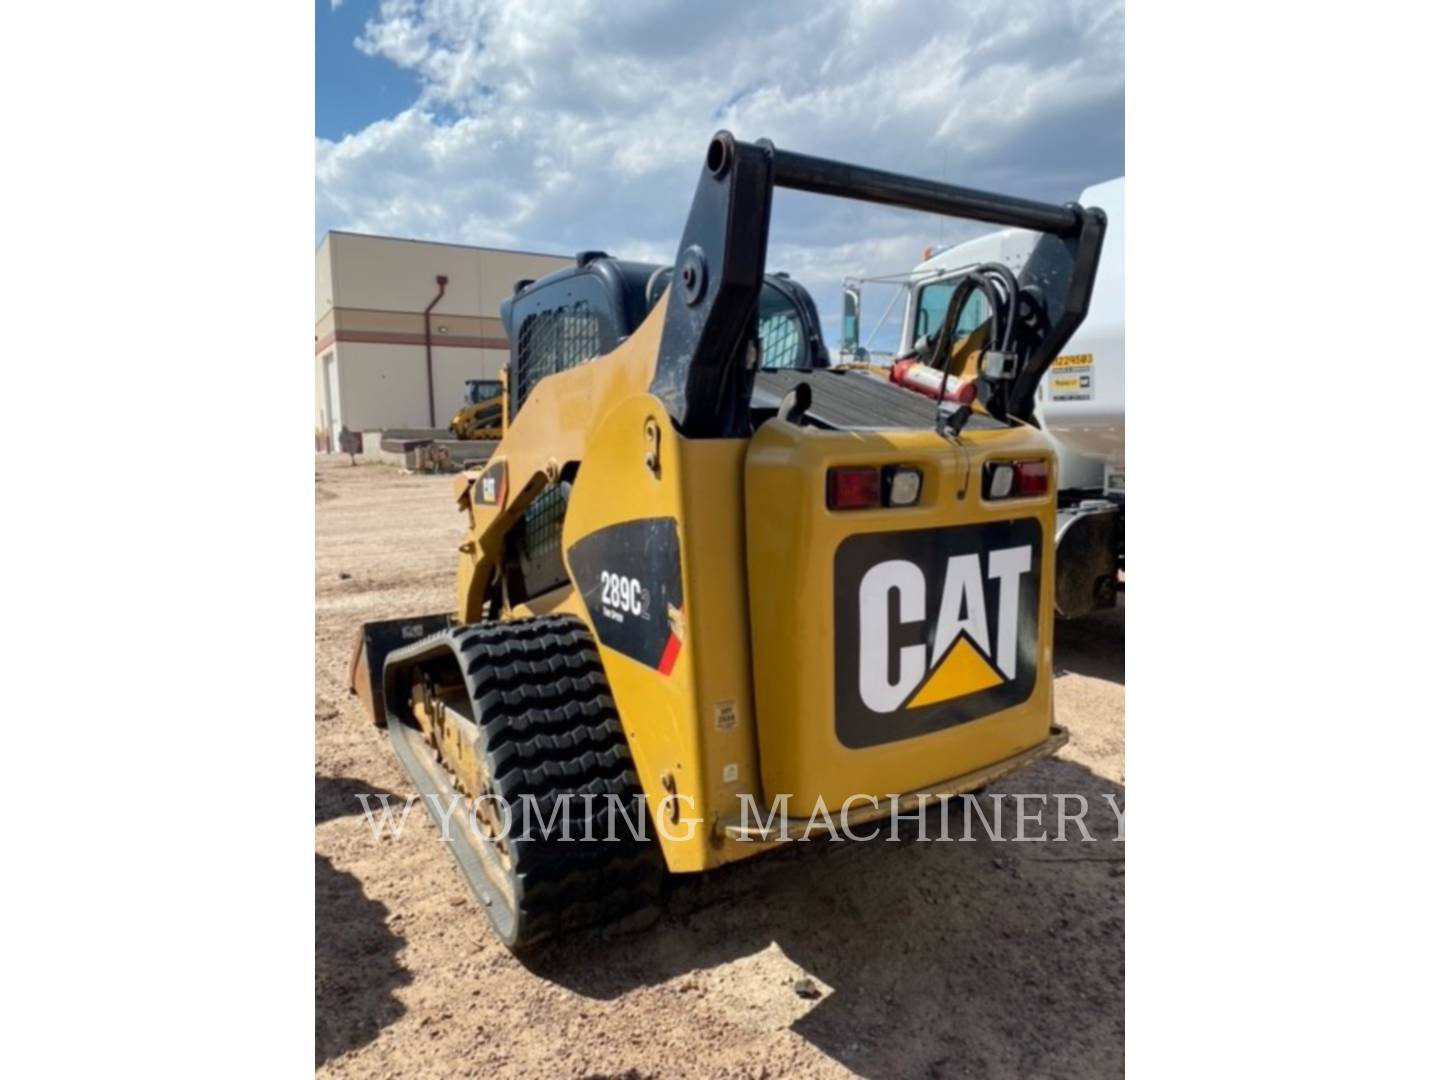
940, 958
1093, 645
339, 796
980, 958
356, 965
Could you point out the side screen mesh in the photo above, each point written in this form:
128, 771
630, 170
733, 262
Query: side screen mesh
544, 519
554, 340
533, 545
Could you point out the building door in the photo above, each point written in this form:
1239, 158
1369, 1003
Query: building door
332, 400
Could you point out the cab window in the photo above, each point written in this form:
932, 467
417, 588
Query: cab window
484, 391
782, 331
563, 325
782, 334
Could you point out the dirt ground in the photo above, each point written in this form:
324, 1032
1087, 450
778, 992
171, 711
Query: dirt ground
987, 959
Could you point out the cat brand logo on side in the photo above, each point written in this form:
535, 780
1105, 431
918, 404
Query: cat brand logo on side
934, 628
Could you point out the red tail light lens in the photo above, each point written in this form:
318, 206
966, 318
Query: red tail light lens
1031, 478
852, 489
1016, 480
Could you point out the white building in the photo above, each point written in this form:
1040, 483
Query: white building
377, 366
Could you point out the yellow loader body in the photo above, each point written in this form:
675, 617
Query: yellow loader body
726, 588
747, 704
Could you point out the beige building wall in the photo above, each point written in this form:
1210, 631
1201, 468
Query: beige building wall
324, 410
324, 289
376, 273
370, 297
379, 387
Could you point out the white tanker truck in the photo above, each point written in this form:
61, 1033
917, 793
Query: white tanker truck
1081, 403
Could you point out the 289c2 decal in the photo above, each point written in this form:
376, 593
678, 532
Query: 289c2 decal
629, 577
624, 594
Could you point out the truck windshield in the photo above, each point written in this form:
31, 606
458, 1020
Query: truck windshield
930, 308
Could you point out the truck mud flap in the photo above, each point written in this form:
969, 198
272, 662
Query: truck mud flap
1087, 559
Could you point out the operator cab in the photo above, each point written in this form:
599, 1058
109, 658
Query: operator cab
584, 311
790, 337
482, 390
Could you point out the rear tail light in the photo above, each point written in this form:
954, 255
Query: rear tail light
1031, 478
852, 489
866, 487
1016, 479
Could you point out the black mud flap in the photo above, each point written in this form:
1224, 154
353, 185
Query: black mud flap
1087, 559
374, 642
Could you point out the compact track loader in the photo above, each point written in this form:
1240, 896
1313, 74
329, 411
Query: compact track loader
704, 570
483, 414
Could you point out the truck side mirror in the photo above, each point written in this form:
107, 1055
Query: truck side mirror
850, 323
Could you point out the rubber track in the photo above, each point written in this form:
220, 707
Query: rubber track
550, 729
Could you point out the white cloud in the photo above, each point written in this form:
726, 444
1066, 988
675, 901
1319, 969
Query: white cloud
579, 124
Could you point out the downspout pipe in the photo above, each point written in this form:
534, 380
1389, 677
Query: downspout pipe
442, 281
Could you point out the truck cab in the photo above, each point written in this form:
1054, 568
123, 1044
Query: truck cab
1080, 403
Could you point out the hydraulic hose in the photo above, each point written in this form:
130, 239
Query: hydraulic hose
1012, 288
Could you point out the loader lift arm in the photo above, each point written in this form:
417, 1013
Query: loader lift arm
705, 368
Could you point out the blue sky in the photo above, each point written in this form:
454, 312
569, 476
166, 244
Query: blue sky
579, 124
353, 90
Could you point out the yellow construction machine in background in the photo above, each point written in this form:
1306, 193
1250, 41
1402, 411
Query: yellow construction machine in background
483, 414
